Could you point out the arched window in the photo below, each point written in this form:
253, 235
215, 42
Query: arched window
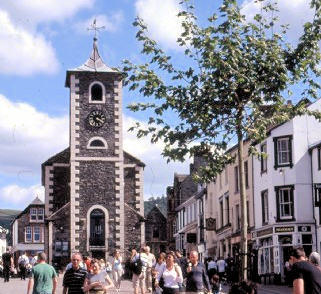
97, 92
97, 228
97, 143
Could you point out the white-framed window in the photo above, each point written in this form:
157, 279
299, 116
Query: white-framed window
263, 158
227, 209
237, 217
28, 234
33, 214
236, 178
226, 175
285, 203
246, 172
283, 151
97, 92
41, 213
222, 212
265, 206
36, 234
97, 143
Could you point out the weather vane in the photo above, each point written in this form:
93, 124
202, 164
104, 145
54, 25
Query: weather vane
94, 27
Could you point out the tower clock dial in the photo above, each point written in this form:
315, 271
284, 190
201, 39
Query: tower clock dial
96, 118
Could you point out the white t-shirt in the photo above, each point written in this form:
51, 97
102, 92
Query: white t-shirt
160, 267
221, 265
212, 264
171, 278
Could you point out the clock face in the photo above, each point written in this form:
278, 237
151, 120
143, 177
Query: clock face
96, 118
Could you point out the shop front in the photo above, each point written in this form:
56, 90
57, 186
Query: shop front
274, 245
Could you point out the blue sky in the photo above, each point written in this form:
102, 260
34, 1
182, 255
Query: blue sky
40, 40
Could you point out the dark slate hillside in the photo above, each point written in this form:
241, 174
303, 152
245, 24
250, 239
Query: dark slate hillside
6, 216
151, 202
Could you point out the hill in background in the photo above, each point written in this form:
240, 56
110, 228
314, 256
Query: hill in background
151, 202
6, 216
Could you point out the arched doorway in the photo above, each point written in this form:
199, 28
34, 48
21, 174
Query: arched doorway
97, 228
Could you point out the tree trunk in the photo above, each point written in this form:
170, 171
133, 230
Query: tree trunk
244, 224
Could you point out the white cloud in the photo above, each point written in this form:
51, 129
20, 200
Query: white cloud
20, 196
158, 174
111, 23
292, 12
163, 23
28, 137
24, 53
37, 11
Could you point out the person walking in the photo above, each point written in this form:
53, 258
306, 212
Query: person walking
138, 266
171, 275
306, 276
97, 281
7, 262
117, 269
23, 262
221, 267
314, 258
74, 277
43, 278
151, 260
196, 278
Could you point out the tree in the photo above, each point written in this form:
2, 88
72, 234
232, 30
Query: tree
237, 77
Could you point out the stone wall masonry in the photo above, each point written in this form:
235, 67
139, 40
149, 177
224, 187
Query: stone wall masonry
96, 187
107, 131
61, 189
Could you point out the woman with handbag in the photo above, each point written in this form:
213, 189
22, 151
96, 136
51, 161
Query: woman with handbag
98, 281
171, 277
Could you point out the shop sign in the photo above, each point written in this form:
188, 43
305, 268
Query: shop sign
304, 228
283, 229
264, 232
210, 224
201, 248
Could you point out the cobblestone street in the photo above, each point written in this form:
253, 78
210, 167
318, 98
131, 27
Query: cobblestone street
16, 286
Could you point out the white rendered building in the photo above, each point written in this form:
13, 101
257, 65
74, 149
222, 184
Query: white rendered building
283, 199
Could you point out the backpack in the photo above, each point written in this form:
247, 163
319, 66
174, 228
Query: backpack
136, 266
22, 262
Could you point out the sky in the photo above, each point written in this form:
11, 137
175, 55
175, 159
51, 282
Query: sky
41, 39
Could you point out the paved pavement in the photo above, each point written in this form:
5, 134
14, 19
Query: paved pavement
16, 286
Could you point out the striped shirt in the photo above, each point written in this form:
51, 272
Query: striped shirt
74, 280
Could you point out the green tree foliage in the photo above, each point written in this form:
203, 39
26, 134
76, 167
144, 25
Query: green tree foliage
233, 85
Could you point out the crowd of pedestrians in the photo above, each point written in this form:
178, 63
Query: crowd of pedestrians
169, 273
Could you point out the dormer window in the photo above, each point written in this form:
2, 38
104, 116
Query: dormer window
33, 214
96, 93
36, 214
97, 143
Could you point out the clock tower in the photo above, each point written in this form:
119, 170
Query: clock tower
93, 189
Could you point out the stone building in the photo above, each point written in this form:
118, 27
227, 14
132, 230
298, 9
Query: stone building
178, 196
93, 189
28, 229
155, 230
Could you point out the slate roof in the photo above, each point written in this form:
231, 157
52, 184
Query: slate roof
93, 64
36, 201
134, 159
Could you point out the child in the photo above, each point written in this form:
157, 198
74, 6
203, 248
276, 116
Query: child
216, 286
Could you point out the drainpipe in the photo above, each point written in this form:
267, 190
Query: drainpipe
312, 185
